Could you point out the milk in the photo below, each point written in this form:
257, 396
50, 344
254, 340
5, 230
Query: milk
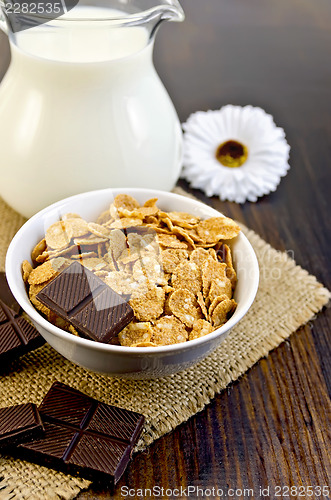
82, 108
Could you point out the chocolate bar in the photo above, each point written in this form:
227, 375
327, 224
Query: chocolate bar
19, 423
83, 299
17, 336
84, 436
6, 296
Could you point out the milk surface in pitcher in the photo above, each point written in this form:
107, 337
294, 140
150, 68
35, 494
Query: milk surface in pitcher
83, 109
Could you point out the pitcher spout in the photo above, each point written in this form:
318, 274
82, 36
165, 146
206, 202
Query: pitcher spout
171, 11
158, 11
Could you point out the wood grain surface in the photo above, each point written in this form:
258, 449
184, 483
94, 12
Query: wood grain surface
271, 429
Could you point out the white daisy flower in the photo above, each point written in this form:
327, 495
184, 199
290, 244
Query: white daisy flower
236, 153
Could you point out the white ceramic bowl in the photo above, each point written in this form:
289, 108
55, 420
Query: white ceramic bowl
128, 362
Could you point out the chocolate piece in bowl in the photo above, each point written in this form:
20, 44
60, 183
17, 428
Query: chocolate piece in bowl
80, 297
19, 423
84, 436
17, 336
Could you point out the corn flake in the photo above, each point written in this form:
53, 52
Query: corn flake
169, 330
210, 270
200, 329
26, 270
187, 275
170, 241
39, 249
171, 257
98, 230
42, 274
148, 306
126, 201
219, 315
58, 235
184, 306
217, 228
79, 226
220, 286
183, 219
136, 334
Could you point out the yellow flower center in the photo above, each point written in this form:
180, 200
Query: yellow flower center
231, 154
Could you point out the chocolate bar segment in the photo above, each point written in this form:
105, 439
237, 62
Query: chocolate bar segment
6, 295
17, 336
84, 436
83, 299
19, 423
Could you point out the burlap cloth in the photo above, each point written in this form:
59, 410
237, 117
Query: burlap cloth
287, 298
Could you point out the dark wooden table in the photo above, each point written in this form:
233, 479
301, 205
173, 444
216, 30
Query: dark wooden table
272, 428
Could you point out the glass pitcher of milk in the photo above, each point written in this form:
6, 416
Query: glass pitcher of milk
81, 105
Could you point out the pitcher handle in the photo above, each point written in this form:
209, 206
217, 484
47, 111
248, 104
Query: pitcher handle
3, 23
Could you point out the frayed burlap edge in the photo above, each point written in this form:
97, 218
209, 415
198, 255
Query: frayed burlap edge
288, 297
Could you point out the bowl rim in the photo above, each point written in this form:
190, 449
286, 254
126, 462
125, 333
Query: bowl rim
27, 306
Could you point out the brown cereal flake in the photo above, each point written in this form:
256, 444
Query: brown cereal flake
217, 228
167, 222
26, 270
219, 315
187, 275
59, 263
148, 269
183, 219
202, 305
150, 203
220, 286
71, 251
171, 257
135, 333
169, 330
170, 241
230, 271
148, 306
98, 230
73, 330
179, 231
42, 257
117, 243
42, 274
199, 255
79, 227
184, 306
38, 250
33, 291
152, 220
138, 213
210, 270
215, 303
89, 241
121, 282
58, 235
200, 329
126, 201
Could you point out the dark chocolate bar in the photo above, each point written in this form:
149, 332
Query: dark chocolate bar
84, 436
6, 295
83, 299
17, 336
19, 423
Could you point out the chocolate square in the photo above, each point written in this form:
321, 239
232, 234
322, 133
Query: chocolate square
83, 299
